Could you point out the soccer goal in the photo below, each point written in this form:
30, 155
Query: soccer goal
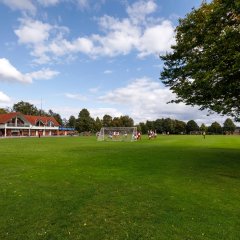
127, 134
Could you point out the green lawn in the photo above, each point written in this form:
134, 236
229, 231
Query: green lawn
173, 187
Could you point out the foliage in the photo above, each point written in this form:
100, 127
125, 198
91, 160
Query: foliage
107, 120
3, 110
203, 67
215, 128
203, 128
56, 116
143, 127
126, 121
229, 126
169, 125
192, 126
72, 122
25, 108
180, 127
98, 124
84, 123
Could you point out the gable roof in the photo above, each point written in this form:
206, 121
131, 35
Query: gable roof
8, 116
4, 118
34, 119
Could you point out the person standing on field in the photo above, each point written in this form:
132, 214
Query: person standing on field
204, 135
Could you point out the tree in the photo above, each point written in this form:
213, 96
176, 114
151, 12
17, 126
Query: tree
229, 126
143, 128
3, 111
180, 127
56, 116
203, 128
72, 122
25, 108
159, 125
169, 125
116, 122
107, 121
203, 67
126, 121
215, 128
84, 122
150, 125
192, 126
98, 124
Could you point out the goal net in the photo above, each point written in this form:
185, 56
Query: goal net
127, 134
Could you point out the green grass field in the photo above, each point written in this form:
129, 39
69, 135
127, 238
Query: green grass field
173, 187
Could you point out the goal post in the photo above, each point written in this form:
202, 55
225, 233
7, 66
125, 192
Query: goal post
127, 134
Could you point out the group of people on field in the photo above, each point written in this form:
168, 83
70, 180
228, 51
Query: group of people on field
152, 134
137, 136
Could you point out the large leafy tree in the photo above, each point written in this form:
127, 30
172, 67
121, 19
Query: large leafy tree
143, 128
85, 122
229, 126
72, 122
180, 127
169, 125
25, 108
203, 128
215, 128
98, 124
126, 121
203, 67
192, 126
107, 120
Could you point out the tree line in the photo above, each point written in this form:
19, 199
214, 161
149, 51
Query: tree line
173, 126
85, 123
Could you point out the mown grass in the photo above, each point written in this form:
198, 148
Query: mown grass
173, 187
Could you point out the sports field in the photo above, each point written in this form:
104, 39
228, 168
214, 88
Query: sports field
172, 187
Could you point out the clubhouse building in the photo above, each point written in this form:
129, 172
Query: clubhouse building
18, 124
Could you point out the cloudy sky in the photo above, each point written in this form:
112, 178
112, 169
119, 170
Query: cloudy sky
101, 55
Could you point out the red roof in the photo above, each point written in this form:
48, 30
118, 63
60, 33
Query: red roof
34, 119
4, 118
7, 116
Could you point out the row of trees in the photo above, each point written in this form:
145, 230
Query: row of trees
85, 123
173, 126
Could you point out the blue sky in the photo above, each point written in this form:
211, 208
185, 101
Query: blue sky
101, 55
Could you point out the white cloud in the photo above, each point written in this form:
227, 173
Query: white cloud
157, 39
9, 73
119, 36
66, 111
100, 112
76, 96
139, 10
4, 98
22, 5
44, 74
32, 32
146, 99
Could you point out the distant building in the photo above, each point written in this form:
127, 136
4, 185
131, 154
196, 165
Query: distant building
18, 124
